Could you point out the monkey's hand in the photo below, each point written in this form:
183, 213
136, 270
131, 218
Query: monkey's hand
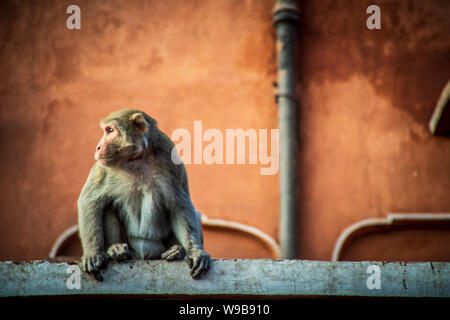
93, 265
119, 252
175, 252
198, 261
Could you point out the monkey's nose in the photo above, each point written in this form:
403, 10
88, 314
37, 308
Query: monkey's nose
98, 147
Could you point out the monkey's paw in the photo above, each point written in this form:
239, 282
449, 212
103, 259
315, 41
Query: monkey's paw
175, 252
93, 265
119, 252
199, 262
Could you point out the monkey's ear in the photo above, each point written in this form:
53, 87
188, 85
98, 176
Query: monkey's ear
138, 122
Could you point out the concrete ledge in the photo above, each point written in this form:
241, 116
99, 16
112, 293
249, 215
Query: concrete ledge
232, 278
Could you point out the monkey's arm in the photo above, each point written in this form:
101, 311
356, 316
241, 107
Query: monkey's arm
186, 225
90, 222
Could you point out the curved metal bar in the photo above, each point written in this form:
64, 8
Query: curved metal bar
268, 240
390, 220
69, 232
271, 243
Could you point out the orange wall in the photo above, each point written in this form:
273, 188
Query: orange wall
366, 97
179, 61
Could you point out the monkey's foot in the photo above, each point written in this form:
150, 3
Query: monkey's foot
93, 264
119, 252
198, 261
175, 252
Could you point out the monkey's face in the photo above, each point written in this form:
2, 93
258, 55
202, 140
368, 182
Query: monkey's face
123, 140
108, 144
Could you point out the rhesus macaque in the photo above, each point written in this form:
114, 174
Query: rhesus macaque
136, 202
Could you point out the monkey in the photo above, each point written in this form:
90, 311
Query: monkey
136, 202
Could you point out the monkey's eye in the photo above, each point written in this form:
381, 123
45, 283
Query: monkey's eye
109, 130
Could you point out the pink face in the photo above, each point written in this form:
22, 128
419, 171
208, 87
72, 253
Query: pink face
110, 132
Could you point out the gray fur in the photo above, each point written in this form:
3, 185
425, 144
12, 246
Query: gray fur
139, 208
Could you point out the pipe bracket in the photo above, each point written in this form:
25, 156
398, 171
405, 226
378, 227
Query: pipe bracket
289, 96
286, 11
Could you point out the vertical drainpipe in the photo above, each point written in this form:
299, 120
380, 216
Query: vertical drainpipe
285, 18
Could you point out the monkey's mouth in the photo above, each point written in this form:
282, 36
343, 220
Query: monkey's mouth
97, 156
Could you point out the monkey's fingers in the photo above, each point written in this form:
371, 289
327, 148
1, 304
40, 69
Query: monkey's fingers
190, 262
165, 255
88, 268
195, 264
200, 268
170, 256
84, 264
207, 263
101, 262
88, 265
97, 275
200, 265
93, 264
95, 271
119, 252
175, 253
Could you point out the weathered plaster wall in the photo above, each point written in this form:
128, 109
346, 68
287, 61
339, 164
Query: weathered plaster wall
366, 97
179, 61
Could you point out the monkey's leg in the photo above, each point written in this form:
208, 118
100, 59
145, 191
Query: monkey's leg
90, 223
187, 227
114, 237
